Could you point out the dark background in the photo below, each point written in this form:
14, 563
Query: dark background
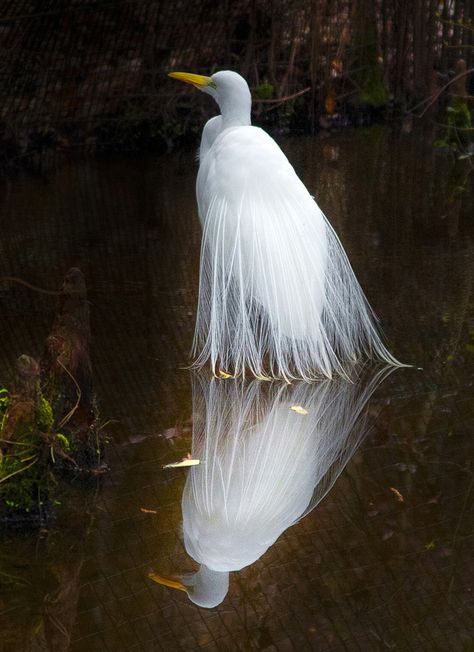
92, 74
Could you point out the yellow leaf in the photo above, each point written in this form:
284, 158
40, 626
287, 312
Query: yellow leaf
185, 462
397, 494
299, 409
224, 374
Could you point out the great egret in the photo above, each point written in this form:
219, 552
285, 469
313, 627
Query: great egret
277, 294
269, 454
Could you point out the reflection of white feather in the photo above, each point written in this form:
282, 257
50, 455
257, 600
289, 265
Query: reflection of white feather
277, 292
264, 466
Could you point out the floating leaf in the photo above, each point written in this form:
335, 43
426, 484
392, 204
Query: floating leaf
299, 409
224, 374
397, 494
430, 546
186, 462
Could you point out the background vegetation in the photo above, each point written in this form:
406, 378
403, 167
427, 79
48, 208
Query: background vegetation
93, 72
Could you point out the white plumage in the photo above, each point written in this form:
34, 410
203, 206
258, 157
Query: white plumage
269, 454
277, 294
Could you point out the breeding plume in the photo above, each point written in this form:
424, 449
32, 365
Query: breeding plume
277, 294
269, 454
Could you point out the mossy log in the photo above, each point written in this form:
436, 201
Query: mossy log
67, 371
49, 420
67, 345
24, 403
25, 436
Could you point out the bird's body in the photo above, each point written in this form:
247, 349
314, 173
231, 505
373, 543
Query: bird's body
277, 294
243, 236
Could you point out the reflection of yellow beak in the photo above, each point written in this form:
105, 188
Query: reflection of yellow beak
167, 581
199, 81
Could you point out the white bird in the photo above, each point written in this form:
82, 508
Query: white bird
277, 294
269, 454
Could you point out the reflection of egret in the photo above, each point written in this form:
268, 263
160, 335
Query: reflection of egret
277, 293
270, 454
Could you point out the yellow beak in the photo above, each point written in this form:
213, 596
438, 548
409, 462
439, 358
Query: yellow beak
167, 581
199, 81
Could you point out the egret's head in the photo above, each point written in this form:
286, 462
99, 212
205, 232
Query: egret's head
205, 587
228, 88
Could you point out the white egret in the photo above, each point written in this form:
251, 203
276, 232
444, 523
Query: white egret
269, 454
277, 294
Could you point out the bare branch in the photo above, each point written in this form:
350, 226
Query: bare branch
432, 99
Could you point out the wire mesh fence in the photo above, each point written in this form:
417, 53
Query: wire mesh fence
93, 72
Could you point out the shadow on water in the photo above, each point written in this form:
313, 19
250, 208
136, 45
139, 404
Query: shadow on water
385, 560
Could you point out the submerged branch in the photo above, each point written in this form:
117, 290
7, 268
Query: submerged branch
281, 100
15, 279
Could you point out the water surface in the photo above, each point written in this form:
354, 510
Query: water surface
385, 560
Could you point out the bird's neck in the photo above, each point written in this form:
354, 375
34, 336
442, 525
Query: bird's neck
235, 110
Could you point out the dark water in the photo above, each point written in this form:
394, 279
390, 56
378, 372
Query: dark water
385, 561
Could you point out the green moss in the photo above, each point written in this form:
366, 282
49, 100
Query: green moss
263, 91
458, 134
64, 442
32, 458
20, 479
45, 415
4, 398
372, 89
44, 419
459, 114
22, 476
375, 93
